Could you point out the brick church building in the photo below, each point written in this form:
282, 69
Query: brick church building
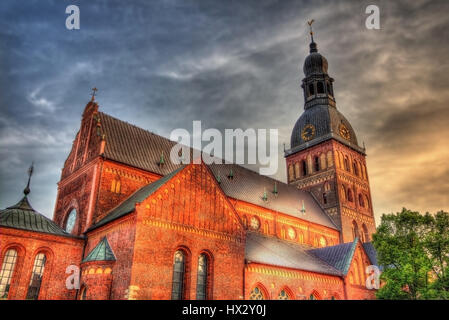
140, 227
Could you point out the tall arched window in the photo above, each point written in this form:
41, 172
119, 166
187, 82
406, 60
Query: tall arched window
320, 87
347, 164
350, 196
324, 198
366, 201
179, 270
304, 167
291, 174
366, 237
36, 277
71, 220
7, 272
343, 193
316, 162
257, 294
311, 89
327, 186
355, 169
203, 277
361, 201
116, 185
355, 229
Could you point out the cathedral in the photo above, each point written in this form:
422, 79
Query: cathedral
130, 224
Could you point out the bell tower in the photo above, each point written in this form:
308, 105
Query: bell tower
324, 156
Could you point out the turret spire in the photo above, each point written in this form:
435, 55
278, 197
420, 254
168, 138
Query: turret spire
27, 190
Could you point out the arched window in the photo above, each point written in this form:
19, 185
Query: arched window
7, 272
355, 229
343, 193
36, 277
71, 220
316, 162
202, 278
304, 167
320, 87
179, 270
297, 170
116, 185
361, 202
257, 294
367, 201
291, 174
324, 198
327, 186
354, 167
366, 237
283, 295
347, 164
311, 89
350, 196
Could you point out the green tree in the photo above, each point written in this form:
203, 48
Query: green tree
413, 250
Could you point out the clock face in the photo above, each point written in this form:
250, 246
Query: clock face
255, 224
308, 132
344, 132
70, 224
291, 233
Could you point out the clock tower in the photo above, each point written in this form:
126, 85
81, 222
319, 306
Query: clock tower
325, 158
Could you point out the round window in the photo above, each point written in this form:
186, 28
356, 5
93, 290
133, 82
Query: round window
70, 224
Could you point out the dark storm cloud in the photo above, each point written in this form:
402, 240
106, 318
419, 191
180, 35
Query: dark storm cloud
232, 64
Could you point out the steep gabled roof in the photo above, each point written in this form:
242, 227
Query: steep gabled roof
249, 186
23, 216
101, 252
135, 146
339, 256
142, 149
129, 204
273, 251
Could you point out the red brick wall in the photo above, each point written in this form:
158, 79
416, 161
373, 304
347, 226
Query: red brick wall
299, 284
121, 237
272, 223
342, 211
96, 280
356, 277
131, 179
60, 252
189, 212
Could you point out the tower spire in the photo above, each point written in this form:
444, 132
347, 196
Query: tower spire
313, 47
27, 190
94, 91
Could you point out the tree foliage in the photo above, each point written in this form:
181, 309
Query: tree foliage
413, 252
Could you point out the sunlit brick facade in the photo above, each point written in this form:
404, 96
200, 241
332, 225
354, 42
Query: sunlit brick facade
141, 227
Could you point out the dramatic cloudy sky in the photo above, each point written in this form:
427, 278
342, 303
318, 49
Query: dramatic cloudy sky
232, 64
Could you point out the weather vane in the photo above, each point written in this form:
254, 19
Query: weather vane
310, 26
94, 90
